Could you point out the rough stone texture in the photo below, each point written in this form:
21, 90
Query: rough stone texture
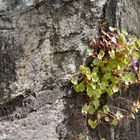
128, 14
42, 44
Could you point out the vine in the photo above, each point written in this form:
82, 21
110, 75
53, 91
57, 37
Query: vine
113, 69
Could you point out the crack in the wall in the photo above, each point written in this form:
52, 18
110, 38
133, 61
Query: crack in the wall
109, 12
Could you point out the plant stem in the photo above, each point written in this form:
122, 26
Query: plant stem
125, 100
111, 114
99, 133
119, 109
86, 127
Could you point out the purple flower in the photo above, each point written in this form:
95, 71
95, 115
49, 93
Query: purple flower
128, 37
134, 67
134, 64
134, 61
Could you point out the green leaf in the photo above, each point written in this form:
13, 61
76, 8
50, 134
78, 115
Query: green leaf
119, 67
99, 115
107, 119
115, 88
85, 70
97, 93
96, 103
89, 77
112, 64
136, 55
105, 109
91, 110
101, 54
110, 67
112, 53
96, 62
79, 87
89, 52
85, 108
97, 36
76, 88
109, 91
95, 78
114, 121
122, 39
132, 116
95, 69
129, 77
114, 80
132, 77
124, 32
93, 86
107, 76
82, 136
133, 47
103, 85
119, 115
112, 29
90, 90
93, 124
138, 42
74, 80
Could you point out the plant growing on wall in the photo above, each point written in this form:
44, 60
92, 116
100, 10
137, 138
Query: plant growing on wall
113, 68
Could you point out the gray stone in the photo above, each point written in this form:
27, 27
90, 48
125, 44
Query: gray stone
42, 44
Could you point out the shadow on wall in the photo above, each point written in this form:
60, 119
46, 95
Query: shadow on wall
127, 129
9, 53
76, 123
8, 108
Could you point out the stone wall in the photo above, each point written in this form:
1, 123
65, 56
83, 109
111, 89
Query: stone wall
42, 44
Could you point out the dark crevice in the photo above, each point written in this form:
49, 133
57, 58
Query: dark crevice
24, 103
104, 11
10, 53
109, 12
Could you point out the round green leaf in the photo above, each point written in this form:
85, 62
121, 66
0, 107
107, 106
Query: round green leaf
85, 108
92, 124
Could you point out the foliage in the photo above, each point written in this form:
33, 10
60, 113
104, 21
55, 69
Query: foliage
113, 69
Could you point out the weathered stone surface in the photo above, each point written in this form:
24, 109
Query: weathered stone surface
42, 44
128, 14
